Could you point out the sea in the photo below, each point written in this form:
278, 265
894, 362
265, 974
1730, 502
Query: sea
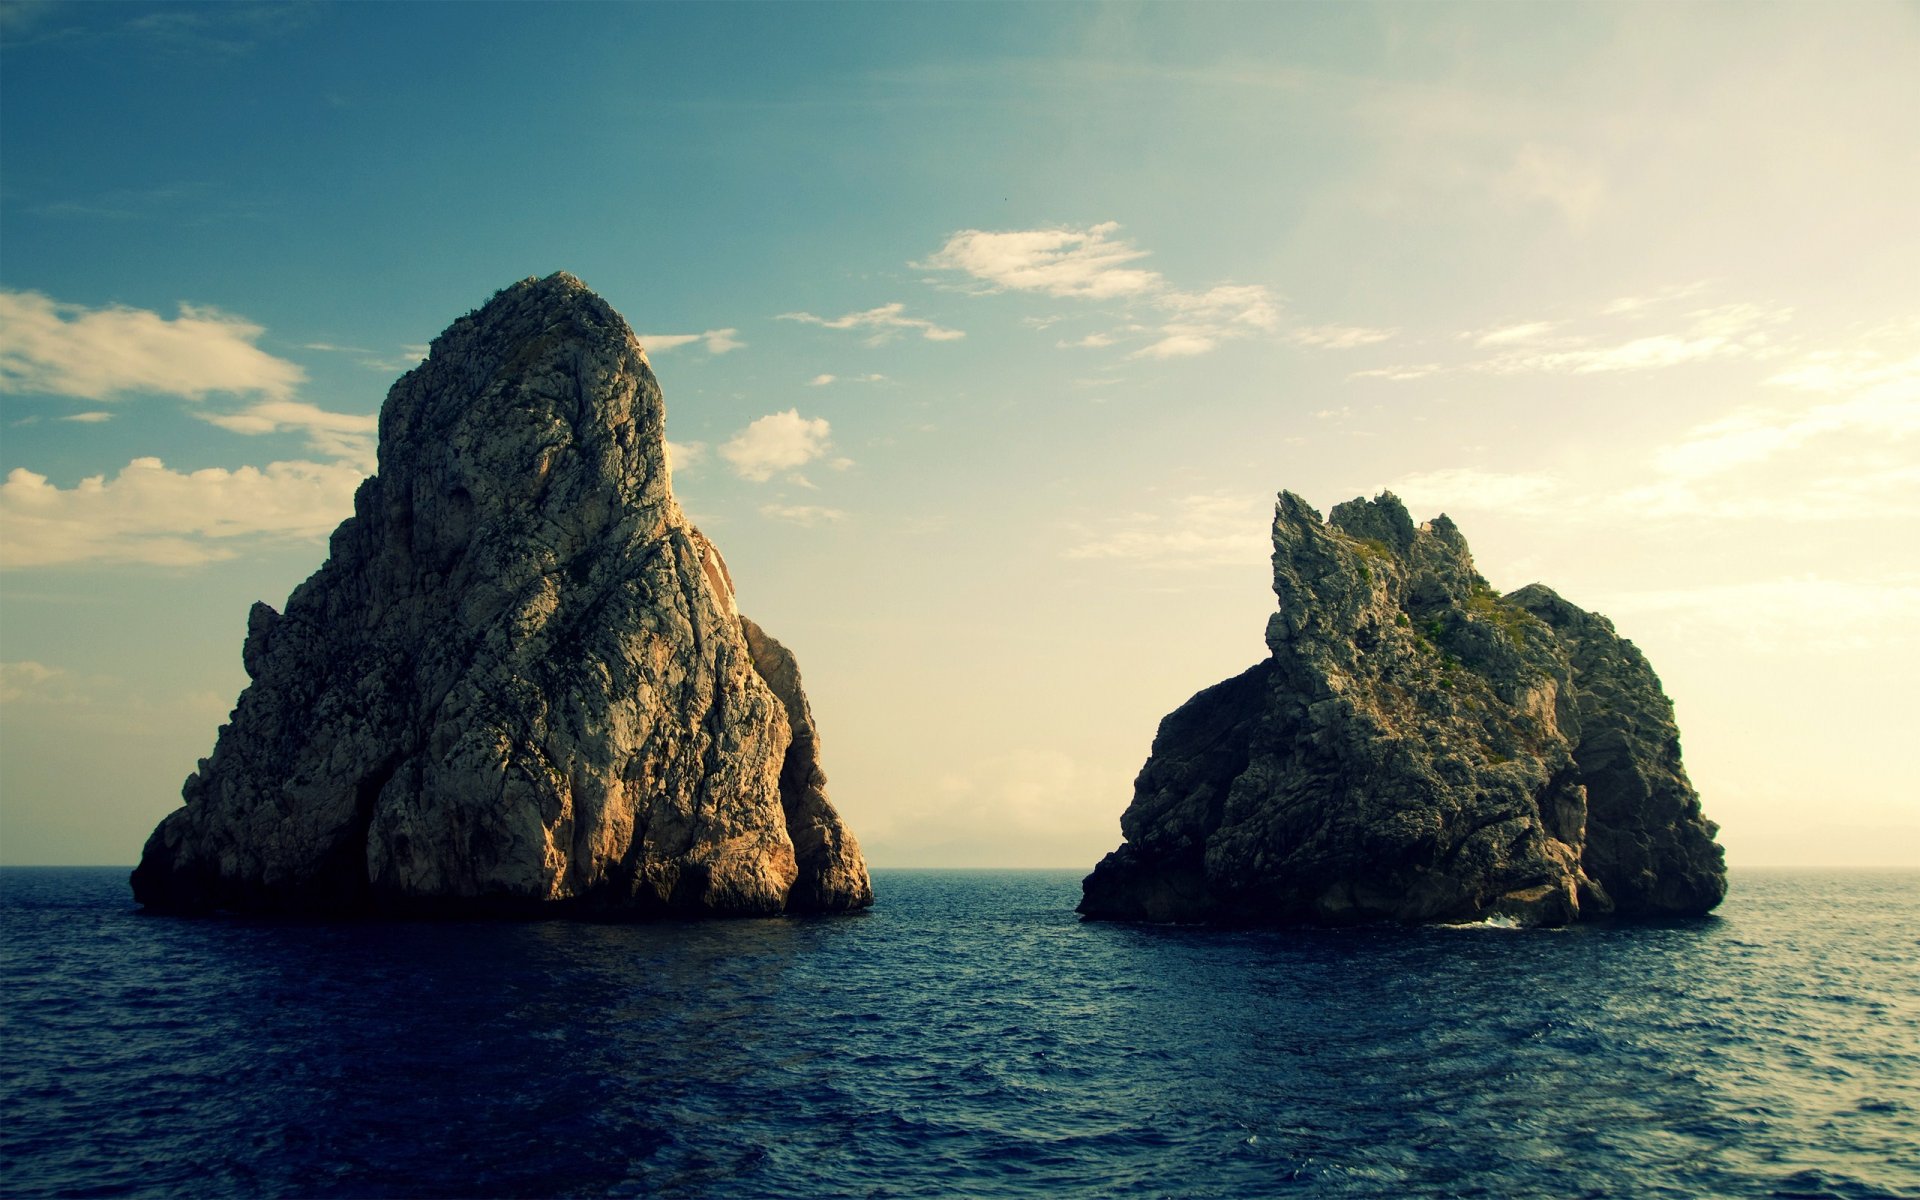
968, 1036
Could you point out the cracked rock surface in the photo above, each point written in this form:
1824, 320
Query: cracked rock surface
1416, 747
520, 682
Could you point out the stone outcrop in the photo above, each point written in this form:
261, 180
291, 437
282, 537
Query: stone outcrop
1416, 747
520, 683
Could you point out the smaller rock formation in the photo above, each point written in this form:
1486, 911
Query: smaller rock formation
1418, 748
520, 682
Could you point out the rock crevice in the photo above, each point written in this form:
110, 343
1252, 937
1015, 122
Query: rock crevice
1416, 747
521, 681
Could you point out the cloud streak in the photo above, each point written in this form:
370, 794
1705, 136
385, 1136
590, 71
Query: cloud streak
807, 515
717, 341
1087, 263
151, 514
104, 353
887, 321
1202, 530
345, 436
1092, 264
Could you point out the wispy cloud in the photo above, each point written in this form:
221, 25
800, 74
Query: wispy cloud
1730, 331
88, 418
348, 437
1616, 343
888, 321
1626, 305
1510, 335
103, 353
1789, 616
27, 680
1401, 374
1180, 341
1093, 341
1092, 264
717, 341
1202, 530
1842, 458
151, 514
404, 359
778, 442
1088, 263
1339, 337
1470, 488
807, 515
684, 456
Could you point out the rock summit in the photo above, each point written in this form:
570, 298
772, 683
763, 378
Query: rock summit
1416, 747
520, 682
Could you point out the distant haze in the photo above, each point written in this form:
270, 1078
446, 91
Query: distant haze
987, 336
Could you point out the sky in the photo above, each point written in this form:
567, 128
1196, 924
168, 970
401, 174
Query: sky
988, 335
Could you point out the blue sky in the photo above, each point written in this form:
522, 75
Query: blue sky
987, 335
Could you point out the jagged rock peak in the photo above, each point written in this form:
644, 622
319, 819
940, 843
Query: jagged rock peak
1416, 747
521, 681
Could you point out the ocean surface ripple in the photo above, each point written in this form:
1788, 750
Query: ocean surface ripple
966, 1037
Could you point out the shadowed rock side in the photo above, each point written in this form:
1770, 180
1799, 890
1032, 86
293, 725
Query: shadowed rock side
520, 682
1416, 748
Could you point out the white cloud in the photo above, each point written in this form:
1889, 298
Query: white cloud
1339, 337
1508, 335
1788, 616
821, 380
1843, 458
100, 353
24, 680
718, 341
1179, 342
1627, 305
405, 359
1093, 341
1726, 332
777, 442
802, 514
1885, 406
1400, 374
1842, 371
683, 456
887, 321
150, 514
1205, 530
1556, 176
88, 418
1229, 304
345, 436
1058, 262
1091, 264
1467, 488
1838, 494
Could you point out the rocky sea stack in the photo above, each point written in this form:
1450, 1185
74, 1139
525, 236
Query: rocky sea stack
1415, 748
520, 682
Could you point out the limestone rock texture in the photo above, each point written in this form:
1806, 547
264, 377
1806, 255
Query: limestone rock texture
1416, 747
521, 682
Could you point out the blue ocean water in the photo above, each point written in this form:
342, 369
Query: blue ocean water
967, 1037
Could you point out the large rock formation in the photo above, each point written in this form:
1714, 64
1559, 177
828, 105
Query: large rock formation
1416, 748
520, 682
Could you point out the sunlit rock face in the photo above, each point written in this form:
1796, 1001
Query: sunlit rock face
1416, 747
520, 682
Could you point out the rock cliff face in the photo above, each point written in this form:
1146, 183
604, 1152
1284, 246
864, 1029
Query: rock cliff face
1415, 748
520, 682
